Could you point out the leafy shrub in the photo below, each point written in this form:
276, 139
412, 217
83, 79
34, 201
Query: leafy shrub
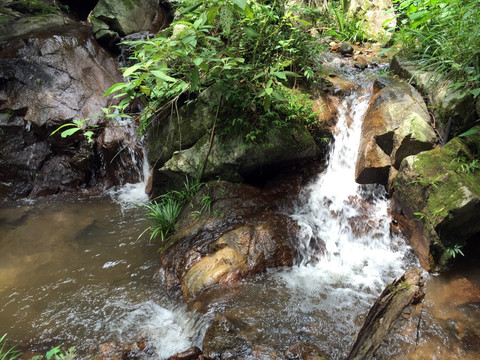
443, 36
246, 49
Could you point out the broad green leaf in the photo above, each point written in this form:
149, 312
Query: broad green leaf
269, 90
195, 79
198, 61
475, 92
132, 69
278, 96
280, 74
266, 103
69, 132
240, 3
115, 88
249, 12
212, 13
192, 8
163, 76
252, 34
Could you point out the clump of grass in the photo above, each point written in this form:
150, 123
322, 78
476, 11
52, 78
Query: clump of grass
162, 213
8, 353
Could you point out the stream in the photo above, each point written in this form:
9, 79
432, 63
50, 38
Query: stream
73, 272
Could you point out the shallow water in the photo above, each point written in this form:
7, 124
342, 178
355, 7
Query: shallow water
73, 272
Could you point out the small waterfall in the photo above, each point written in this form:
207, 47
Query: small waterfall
135, 160
345, 227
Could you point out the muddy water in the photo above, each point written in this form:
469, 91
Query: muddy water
446, 325
72, 272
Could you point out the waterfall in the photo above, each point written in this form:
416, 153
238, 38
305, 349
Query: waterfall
133, 192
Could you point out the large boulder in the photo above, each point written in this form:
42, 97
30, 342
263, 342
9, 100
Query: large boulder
235, 159
396, 125
112, 20
438, 191
243, 233
456, 105
47, 79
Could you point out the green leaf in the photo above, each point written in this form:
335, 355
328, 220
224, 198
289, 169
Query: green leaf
192, 8
131, 70
163, 76
278, 96
249, 12
195, 79
475, 92
212, 13
69, 132
280, 74
198, 61
266, 103
269, 90
252, 34
240, 3
115, 88
469, 132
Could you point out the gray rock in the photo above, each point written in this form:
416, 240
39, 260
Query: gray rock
112, 20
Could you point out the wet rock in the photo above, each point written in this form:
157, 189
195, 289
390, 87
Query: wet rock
440, 196
446, 103
47, 79
243, 234
112, 20
396, 125
231, 338
305, 351
406, 290
346, 49
190, 354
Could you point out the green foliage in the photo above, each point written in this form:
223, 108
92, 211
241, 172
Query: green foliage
454, 250
443, 36
162, 213
57, 354
75, 126
7, 353
246, 49
343, 26
464, 165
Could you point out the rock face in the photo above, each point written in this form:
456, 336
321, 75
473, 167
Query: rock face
46, 79
244, 233
438, 191
112, 20
396, 125
458, 106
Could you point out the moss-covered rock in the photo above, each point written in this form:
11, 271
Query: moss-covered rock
440, 189
232, 159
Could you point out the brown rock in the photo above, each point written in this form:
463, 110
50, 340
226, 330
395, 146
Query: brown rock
193, 353
306, 351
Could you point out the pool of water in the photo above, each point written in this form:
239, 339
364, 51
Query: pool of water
72, 272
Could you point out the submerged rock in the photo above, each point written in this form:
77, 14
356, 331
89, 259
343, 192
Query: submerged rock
396, 125
438, 191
